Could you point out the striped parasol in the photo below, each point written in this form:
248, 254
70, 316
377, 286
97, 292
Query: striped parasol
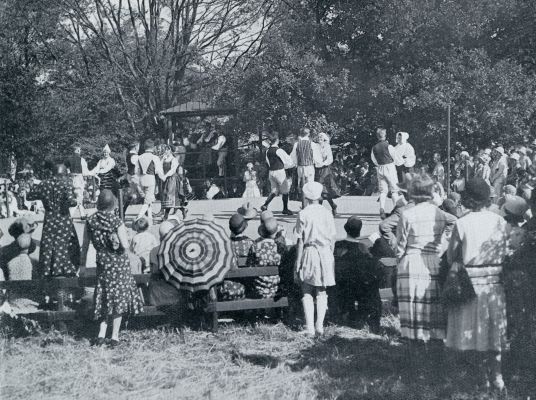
195, 255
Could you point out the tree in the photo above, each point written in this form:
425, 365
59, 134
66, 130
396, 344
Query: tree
159, 53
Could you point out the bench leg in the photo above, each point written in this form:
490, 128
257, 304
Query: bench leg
214, 321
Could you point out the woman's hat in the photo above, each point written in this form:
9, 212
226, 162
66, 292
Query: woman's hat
106, 200
515, 156
249, 165
165, 227
516, 205
266, 215
107, 149
237, 224
247, 211
268, 228
313, 190
477, 189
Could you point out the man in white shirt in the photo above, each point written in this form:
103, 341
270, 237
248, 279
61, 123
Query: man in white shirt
78, 169
149, 165
305, 154
383, 155
499, 170
278, 161
221, 148
406, 155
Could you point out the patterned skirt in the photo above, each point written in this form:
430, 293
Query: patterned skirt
325, 177
116, 292
421, 312
169, 192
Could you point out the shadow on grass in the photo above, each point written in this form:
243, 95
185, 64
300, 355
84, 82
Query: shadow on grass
368, 368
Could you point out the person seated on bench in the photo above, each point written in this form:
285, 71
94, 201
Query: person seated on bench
263, 253
358, 277
20, 267
159, 291
234, 289
279, 236
12, 250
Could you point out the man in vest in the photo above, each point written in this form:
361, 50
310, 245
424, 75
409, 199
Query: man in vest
78, 169
305, 154
221, 148
149, 165
384, 156
278, 160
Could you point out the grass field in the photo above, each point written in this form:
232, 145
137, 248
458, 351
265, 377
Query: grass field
264, 361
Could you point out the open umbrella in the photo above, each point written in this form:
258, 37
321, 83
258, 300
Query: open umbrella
195, 255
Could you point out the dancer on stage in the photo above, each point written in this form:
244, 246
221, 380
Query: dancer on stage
278, 160
406, 155
305, 154
104, 170
323, 172
78, 169
383, 156
149, 165
134, 191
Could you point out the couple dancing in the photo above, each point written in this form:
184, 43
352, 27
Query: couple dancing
313, 162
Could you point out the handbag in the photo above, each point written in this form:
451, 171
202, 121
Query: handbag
458, 289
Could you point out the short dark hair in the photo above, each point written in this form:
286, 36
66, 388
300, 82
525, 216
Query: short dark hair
149, 143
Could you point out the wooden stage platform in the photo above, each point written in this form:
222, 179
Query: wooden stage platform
365, 207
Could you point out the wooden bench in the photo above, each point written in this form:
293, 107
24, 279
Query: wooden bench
214, 307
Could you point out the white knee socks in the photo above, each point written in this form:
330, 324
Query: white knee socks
309, 311
321, 308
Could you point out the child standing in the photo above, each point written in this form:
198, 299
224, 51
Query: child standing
314, 269
143, 242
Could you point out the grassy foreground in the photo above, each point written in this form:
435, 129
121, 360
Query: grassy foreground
239, 362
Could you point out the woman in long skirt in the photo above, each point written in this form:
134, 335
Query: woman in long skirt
324, 175
250, 179
420, 243
480, 243
116, 293
60, 249
170, 185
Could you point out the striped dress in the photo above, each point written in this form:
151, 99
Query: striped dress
480, 240
421, 240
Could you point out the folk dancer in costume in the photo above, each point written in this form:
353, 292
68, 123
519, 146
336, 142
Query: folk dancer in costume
305, 154
132, 176
278, 160
250, 179
406, 155
323, 172
170, 168
149, 165
221, 148
78, 169
104, 170
383, 156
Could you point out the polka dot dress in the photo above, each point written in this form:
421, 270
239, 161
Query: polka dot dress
60, 250
116, 292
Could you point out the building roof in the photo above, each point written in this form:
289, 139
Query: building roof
197, 109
